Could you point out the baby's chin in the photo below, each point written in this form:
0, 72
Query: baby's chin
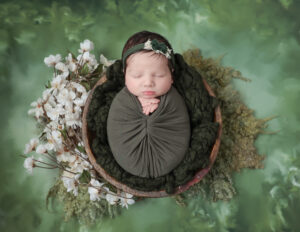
155, 95
148, 96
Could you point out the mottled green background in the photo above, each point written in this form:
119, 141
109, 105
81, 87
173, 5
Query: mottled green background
259, 37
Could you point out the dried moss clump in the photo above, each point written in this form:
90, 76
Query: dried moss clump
240, 129
81, 207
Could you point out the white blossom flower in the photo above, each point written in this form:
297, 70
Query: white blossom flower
81, 101
79, 88
79, 165
41, 149
89, 59
96, 183
72, 66
31, 145
80, 143
57, 84
53, 141
94, 194
54, 112
86, 46
66, 97
65, 157
46, 94
53, 125
52, 60
52, 101
95, 190
80, 153
73, 119
63, 68
71, 184
50, 146
92, 62
57, 136
38, 110
112, 199
29, 164
36, 103
105, 61
124, 201
86, 165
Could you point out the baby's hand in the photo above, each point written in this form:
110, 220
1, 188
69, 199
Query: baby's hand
149, 105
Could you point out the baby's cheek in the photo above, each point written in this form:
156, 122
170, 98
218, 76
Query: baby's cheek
166, 86
131, 85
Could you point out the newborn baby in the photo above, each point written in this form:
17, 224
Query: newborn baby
148, 125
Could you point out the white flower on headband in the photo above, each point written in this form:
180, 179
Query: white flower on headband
158, 47
148, 45
168, 53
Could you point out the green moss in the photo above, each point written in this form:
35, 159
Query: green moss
81, 207
240, 129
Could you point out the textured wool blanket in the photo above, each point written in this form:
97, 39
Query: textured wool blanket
148, 145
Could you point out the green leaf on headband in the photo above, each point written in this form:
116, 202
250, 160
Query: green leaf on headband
156, 45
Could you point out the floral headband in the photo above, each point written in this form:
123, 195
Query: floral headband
155, 45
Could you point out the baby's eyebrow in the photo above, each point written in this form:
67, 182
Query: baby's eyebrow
133, 70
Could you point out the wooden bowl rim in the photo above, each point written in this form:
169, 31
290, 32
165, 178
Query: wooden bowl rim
162, 193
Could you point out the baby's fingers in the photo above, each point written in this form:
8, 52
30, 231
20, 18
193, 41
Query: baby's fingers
154, 101
153, 107
146, 110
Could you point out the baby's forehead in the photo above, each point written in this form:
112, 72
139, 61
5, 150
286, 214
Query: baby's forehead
144, 58
147, 55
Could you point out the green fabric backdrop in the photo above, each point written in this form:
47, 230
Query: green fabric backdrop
260, 38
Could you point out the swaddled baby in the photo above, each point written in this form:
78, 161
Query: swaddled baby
148, 125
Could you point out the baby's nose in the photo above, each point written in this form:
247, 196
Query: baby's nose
149, 81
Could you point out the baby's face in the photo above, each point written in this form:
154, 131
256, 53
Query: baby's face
148, 75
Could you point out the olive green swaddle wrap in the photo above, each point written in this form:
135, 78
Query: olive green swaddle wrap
148, 145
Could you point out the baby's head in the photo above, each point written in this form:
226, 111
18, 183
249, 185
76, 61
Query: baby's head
148, 64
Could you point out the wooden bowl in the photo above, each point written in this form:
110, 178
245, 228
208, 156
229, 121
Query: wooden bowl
198, 176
